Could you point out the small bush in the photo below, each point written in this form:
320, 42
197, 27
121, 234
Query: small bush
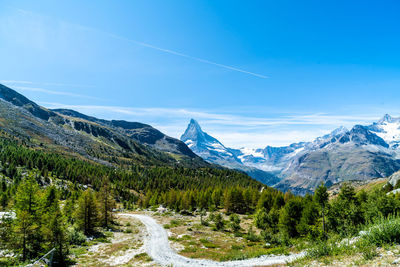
369, 252
329, 248
235, 223
237, 247
205, 223
143, 257
251, 236
269, 237
207, 243
75, 236
321, 249
219, 222
384, 231
184, 237
190, 249
175, 223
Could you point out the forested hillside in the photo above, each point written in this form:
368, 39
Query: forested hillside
57, 201
52, 199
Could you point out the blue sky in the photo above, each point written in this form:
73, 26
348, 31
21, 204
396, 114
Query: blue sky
253, 73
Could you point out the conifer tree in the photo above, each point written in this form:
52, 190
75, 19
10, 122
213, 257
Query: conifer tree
87, 213
27, 209
107, 203
235, 223
321, 197
54, 231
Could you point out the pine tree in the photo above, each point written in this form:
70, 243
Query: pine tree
24, 228
27, 209
321, 197
27, 198
50, 198
235, 223
107, 203
219, 222
87, 213
290, 216
55, 231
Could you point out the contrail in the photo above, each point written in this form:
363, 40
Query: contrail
172, 52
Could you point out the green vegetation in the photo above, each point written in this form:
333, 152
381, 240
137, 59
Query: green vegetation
56, 201
59, 201
383, 231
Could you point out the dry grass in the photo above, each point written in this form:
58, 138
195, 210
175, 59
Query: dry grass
192, 239
385, 257
125, 247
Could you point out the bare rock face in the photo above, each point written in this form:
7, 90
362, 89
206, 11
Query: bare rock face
394, 179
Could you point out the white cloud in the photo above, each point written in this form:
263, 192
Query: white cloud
53, 92
232, 130
14, 82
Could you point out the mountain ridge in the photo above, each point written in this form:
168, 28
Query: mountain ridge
213, 151
108, 142
363, 152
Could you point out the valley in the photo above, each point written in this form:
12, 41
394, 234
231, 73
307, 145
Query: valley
199, 133
116, 193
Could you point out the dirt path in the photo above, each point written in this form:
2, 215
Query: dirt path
158, 247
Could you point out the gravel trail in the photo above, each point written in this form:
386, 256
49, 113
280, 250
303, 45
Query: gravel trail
158, 248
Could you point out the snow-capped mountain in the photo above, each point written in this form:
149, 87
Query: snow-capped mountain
364, 152
276, 159
388, 129
215, 152
358, 154
205, 145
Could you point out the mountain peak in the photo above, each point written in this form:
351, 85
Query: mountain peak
197, 140
195, 124
385, 118
193, 132
15, 98
339, 130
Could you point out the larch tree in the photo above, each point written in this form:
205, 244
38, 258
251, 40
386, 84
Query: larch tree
87, 213
107, 203
321, 197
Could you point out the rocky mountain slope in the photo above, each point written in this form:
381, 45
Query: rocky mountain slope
362, 153
109, 142
215, 152
142, 133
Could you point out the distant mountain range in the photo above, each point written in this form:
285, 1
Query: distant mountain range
362, 153
108, 142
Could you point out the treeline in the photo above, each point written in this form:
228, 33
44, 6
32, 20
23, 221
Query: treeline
138, 178
234, 199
